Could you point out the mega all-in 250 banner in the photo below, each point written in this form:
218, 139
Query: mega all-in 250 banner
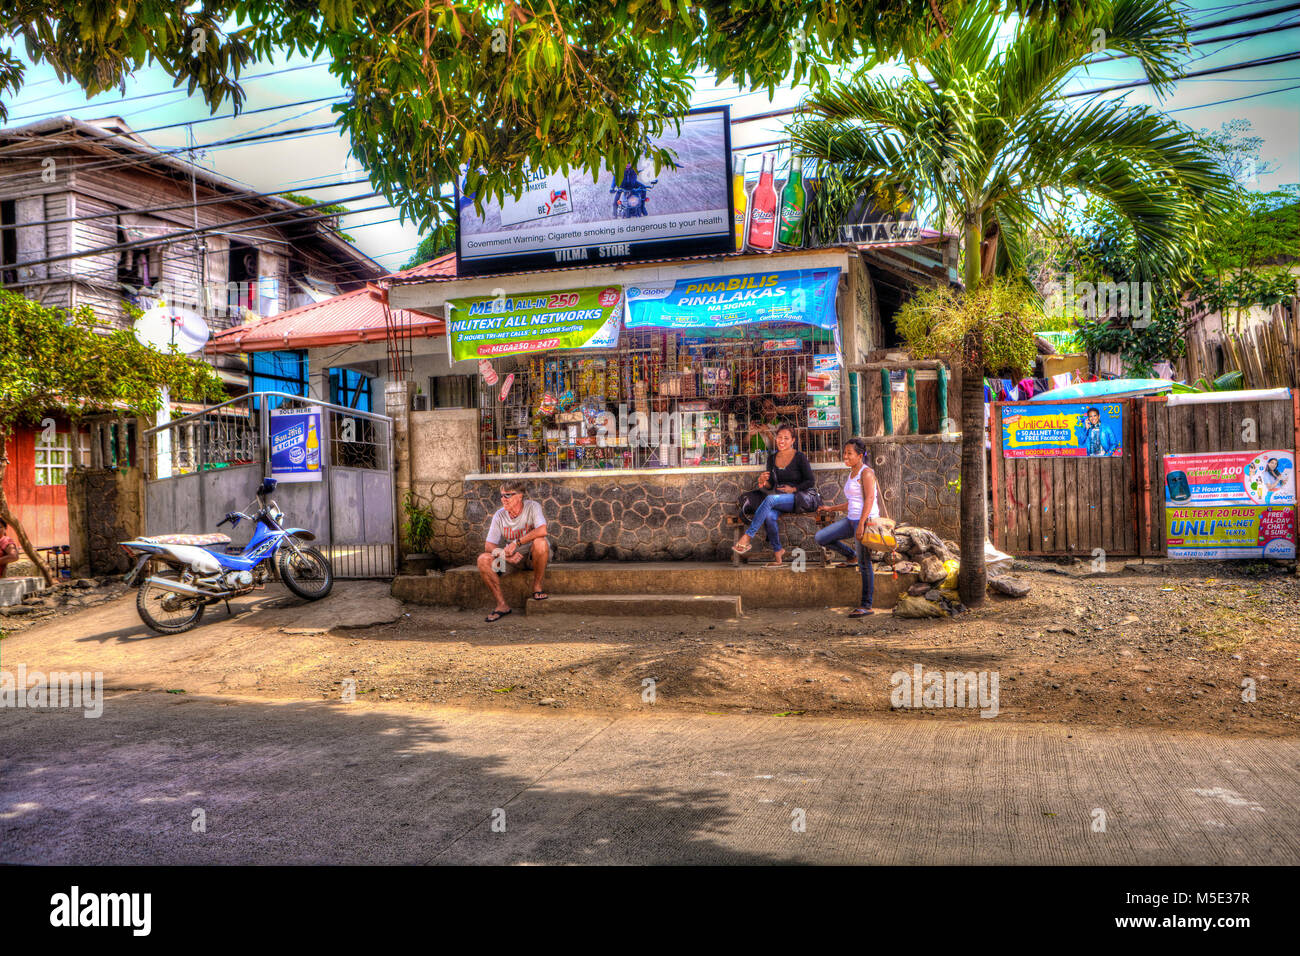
1231, 477
612, 216
1067, 430
296, 445
806, 296
1229, 532
488, 326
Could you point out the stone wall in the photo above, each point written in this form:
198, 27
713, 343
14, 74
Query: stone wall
641, 516
104, 508
683, 516
915, 471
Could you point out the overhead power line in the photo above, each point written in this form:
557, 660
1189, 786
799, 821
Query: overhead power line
146, 96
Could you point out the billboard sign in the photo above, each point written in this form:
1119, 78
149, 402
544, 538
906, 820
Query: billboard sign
1228, 532
1066, 430
806, 296
485, 327
632, 214
1231, 478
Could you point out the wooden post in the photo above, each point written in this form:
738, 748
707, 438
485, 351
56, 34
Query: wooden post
913, 412
943, 399
886, 402
1144, 498
995, 476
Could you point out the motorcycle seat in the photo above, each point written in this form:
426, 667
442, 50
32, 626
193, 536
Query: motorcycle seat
194, 539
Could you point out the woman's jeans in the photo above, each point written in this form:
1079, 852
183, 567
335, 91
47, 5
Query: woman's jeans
765, 517
832, 536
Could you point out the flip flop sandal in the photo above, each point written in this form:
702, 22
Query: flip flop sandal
862, 612
774, 564
497, 615
845, 564
745, 550
540, 595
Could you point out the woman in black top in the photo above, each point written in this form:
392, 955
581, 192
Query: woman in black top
788, 474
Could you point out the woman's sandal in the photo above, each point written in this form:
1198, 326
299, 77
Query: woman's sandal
845, 564
774, 564
862, 612
540, 595
497, 615
739, 550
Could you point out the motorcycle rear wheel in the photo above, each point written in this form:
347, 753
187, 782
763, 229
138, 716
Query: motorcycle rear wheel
182, 614
307, 573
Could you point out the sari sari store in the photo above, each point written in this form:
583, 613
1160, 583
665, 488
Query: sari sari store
639, 403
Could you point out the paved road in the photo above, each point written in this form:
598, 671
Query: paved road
311, 782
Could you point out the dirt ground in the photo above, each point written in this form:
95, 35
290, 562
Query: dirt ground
1152, 645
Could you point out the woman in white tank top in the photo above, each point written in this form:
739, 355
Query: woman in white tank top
860, 486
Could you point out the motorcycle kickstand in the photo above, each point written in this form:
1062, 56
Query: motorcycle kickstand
228, 611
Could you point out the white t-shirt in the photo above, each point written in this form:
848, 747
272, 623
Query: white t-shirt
530, 518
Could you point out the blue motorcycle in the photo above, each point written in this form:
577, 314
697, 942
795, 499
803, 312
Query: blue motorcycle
189, 573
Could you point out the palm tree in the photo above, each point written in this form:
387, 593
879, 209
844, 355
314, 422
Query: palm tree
989, 141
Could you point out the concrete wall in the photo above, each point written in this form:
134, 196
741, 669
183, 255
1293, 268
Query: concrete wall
444, 449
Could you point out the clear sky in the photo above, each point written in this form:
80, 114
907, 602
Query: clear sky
1269, 97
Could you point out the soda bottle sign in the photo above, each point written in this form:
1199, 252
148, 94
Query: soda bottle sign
763, 210
741, 201
792, 205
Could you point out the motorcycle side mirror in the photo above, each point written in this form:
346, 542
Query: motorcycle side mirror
267, 486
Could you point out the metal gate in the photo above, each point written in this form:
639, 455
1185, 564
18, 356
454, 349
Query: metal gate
203, 465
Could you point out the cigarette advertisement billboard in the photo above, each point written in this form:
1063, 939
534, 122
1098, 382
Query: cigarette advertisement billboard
615, 216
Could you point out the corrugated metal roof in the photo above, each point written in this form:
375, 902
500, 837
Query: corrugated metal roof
345, 319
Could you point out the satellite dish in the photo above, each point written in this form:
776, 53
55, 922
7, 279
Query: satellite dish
164, 326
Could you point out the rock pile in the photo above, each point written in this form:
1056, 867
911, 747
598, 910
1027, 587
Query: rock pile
934, 561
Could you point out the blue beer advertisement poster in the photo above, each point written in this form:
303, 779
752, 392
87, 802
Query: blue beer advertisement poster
296, 445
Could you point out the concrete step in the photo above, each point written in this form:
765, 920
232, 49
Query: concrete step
638, 605
816, 587
13, 589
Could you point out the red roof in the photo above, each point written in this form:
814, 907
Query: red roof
352, 317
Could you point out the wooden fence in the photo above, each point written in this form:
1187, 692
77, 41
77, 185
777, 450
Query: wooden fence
1267, 354
1060, 506
1071, 506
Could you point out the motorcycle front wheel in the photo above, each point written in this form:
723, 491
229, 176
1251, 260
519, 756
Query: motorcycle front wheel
306, 572
166, 611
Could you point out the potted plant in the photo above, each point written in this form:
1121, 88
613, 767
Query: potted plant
419, 533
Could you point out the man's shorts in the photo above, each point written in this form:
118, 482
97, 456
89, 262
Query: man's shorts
526, 564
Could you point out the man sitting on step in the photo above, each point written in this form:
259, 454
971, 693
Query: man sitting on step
522, 526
